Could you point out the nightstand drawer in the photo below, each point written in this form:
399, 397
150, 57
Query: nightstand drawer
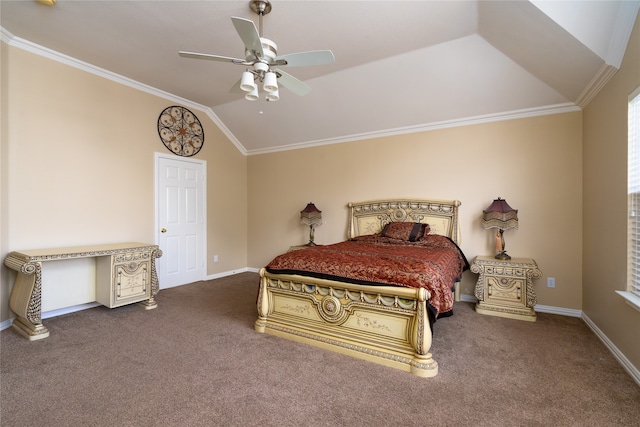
504, 290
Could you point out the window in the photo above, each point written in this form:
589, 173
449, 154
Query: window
633, 223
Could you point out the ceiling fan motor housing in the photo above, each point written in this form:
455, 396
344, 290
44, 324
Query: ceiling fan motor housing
269, 50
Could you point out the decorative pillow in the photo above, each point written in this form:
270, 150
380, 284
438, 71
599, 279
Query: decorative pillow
409, 231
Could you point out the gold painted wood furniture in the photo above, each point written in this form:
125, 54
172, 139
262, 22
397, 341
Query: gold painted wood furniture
383, 324
505, 287
125, 274
298, 248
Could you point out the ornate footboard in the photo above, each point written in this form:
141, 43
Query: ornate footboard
382, 324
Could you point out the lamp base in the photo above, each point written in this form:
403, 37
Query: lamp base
311, 243
502, 255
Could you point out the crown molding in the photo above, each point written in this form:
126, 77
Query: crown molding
5, 35
622, 32
595, 85
28, 46
464, 121
623, 27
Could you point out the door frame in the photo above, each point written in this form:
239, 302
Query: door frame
156, 188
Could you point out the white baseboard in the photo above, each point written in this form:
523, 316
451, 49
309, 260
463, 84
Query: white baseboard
539, 308
626, 364
621, 358
557, 310
4, 325
229, 273
468, 298
53, 313
67, 310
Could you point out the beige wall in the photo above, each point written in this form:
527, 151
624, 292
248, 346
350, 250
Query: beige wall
4, 99
605, 207
78, 165
534, 163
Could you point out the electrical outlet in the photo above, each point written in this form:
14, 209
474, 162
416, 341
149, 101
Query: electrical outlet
215, 258
551, 282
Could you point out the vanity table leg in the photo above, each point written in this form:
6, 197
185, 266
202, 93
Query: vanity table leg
151, 303
26, 299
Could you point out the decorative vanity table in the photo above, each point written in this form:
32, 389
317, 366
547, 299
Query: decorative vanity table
125, 274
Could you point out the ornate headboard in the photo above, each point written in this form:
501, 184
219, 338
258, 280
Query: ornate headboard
370, 217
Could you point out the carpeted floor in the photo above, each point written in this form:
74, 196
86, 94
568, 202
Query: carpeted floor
196, 361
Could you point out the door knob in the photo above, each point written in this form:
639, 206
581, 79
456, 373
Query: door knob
164, 230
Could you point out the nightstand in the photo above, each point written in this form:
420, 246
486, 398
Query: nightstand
505, 287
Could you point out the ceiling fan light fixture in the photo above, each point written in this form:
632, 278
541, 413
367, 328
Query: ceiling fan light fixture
261, 67
252, 95
247, 83
273, 96
261, 58
270, 82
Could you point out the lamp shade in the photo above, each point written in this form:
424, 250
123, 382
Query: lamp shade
273, 96
253, 95
500, 215
270, 82
311, 215
247, 82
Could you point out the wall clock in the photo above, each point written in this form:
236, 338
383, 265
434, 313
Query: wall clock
180, 131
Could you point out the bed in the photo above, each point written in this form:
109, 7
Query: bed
384, 321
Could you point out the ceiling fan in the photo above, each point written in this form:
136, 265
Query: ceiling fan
261, 58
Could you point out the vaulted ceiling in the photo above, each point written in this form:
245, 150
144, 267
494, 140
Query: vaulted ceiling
401, 66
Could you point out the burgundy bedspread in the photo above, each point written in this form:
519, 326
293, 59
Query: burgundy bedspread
435, 263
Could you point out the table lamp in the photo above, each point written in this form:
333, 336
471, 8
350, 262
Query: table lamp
503, 217
311, 216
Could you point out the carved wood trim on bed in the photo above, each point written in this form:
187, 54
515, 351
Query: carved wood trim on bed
370, 217
383, 324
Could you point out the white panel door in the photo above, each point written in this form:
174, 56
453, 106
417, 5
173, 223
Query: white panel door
180, 196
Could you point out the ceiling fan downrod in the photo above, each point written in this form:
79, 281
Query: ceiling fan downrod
260, 8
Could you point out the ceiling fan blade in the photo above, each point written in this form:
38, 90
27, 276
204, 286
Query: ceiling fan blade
294, 85
249, 34
196, 55
302, 59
